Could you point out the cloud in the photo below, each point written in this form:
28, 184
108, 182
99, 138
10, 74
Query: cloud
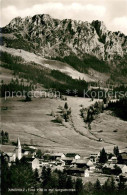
57, 10
119, 23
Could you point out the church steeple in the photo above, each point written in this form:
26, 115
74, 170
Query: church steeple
18, 149
18, 143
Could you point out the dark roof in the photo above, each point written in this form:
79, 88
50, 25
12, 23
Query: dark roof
28, 149
68, 159
124, 156
81, 161
71, 154
74, 169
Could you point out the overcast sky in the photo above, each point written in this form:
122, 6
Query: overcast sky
112, 12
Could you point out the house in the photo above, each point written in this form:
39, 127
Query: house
57, 167
73, 155
56, 156
33, 162
113, 160
84, 163
75, 171
86, 173
81, 163
123, 168
124, 157
9, 157
53, 156
111, 167
69, 157
28, 151
94, 157
43, 163
68, 160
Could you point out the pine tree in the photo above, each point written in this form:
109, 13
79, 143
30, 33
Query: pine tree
69, 183
66, 105
79, 185
103, 156
112, 184
36, 175
116, 151
121, 185
97, 185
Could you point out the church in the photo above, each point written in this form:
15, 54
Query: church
19, 152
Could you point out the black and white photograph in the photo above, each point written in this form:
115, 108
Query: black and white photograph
63, 84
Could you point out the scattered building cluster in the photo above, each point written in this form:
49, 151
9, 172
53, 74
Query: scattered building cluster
73, 164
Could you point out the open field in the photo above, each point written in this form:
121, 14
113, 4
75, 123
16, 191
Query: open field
110, 129
5, 75
32, 121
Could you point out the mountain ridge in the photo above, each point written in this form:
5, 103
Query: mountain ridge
82, 45
70, 36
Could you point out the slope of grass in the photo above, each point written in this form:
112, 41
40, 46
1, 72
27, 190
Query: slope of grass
82, 65
43, 76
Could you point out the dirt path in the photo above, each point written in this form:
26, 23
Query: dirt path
78, 124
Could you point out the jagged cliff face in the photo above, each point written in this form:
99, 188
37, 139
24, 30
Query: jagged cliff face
55, 37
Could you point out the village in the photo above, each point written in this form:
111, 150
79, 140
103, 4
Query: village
101, 164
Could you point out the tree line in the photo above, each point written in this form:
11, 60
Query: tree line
4, 137
14, 88
119, 107
21, 176
49, 78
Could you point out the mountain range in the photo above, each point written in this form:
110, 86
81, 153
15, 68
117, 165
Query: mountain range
83, 45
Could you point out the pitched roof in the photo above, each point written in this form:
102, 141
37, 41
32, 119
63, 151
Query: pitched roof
9, 154
71, 154
75, 169
68, 159
56, 154
121, 165
124, 156
114, 158
81, 161
112, 166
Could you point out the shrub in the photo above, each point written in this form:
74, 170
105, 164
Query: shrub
59, 119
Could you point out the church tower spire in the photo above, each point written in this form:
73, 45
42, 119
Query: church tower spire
18, 149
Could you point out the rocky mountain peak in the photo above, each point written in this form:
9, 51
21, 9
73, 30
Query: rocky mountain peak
15, 22
99, 27
67, 36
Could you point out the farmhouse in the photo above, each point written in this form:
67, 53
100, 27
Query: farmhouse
75, 171
10, 157
69, 157
94, 157
82, 163
33, 162
124, 157
113, 160
112, 167
123, 168
53, 156
73, 155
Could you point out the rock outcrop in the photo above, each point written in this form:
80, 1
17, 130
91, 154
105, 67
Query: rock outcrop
55, 37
